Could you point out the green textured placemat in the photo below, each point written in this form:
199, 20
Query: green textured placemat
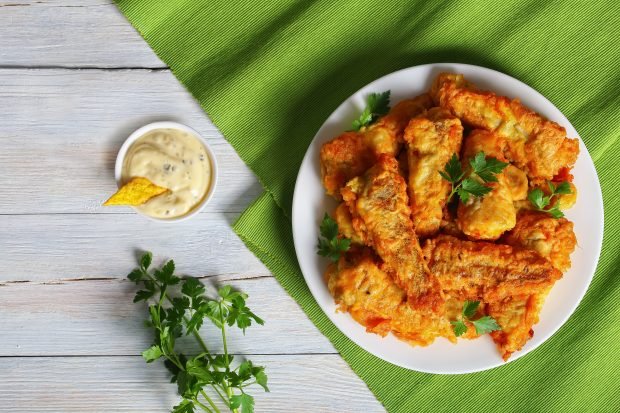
269, 73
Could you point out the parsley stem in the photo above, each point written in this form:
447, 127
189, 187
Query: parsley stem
223, 328
219, 394
203, 407
208, 399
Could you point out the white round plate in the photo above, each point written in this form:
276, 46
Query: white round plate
310, 203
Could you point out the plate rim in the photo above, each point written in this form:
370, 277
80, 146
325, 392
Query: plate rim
598, 247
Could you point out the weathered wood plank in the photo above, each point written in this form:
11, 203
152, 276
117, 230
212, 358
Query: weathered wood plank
97, 317
62, 130
82, 33
51, 247
298, 383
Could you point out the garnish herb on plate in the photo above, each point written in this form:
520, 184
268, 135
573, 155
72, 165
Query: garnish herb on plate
175, 315
465, 186
540, 201
330, 245
482, 325
377, 105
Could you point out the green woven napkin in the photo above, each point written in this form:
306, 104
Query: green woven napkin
269, 73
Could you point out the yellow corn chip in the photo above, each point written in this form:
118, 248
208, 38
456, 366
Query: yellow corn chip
135, 192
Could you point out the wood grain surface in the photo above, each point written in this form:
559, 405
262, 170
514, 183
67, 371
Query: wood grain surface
75, 81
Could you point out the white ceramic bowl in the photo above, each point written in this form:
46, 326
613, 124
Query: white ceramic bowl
120, 159
310, 203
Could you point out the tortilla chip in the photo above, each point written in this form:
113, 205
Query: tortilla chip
135, 192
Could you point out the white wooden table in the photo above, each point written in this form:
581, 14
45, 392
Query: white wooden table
75, 80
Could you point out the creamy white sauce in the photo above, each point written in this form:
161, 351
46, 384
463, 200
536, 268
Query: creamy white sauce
176, 160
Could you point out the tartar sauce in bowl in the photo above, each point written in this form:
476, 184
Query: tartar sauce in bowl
173, 156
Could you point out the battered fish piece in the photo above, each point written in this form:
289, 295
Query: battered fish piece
536, 145
516, 316
552, 238
512, 284
352, 153
380, 208
432, 138
488, 272
373, 299
343, 218
487, 218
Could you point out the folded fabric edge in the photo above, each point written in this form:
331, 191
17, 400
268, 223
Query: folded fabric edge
294, 284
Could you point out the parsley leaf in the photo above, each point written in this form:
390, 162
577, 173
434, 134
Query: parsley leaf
171, 315
453, 172
483, 325
466, 186
470, 308
186, 406
377, 104
459, 327
245, 401
152, 354
486, 168
540, 201
329, 244
475, 188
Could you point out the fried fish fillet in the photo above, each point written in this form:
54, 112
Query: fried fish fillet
431, 139
352, 153
488, 217
468, 270
512, 283
536, 145
380, 209
370, 295
516, 315
552, 238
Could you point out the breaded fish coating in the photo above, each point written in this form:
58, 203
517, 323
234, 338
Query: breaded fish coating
352, 153
487, 218
516, 315
431, 140
552, 238
536, 145
370, 295
343, 218
468, 270
380, 208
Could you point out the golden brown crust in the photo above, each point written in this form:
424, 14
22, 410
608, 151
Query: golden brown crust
468, 270
552, 238
386, 281
351, 153
431, 138
380, 208
536, 145
486, 218
370, 295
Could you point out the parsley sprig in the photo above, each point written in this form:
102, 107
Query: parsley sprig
484, 167
483, 325
172, 317
330, 245
541, 201
377, 105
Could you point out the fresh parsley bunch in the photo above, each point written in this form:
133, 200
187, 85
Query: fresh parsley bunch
329, 244
540, 201
486, 168
184, 314
377, 105
483, 325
